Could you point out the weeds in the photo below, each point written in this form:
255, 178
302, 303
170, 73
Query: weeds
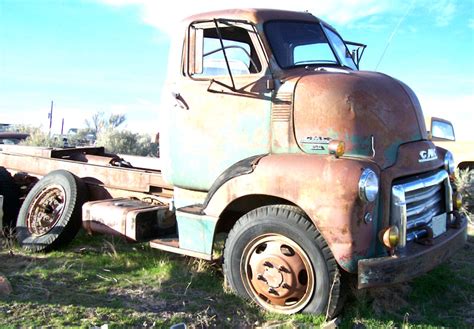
464, 181
8, 239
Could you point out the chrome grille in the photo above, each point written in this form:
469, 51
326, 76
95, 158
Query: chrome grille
416, 200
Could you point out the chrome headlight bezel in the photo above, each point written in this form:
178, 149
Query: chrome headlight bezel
368, 185
449, 164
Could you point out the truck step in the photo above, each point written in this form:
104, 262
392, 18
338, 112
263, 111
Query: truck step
171, 244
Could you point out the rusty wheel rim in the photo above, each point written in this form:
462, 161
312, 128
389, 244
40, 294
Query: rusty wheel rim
278, 273
46, 210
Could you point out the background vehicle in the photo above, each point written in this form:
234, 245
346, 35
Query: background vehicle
7, 137
442, 134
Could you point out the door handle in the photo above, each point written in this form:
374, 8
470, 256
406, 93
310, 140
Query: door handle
180, 100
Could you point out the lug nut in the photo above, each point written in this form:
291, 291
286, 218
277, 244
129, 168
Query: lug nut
268, 264
285, 285
272, 291
283, 269
261, 278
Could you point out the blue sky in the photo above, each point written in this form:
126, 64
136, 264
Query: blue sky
111, 55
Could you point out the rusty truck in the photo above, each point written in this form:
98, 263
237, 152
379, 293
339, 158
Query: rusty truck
314, 170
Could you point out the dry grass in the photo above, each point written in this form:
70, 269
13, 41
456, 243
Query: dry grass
464, 181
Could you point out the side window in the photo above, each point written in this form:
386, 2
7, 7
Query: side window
239, 50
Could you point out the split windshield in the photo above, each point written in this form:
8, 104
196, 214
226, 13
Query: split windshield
305, 44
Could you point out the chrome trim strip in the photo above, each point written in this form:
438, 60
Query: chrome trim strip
399, 212
425, 181
423, 220
429, 203
424, 195
398, 207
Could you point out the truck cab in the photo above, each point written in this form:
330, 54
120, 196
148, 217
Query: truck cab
267, 109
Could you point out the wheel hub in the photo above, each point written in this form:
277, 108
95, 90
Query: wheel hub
272, 277
279, 273
46, 210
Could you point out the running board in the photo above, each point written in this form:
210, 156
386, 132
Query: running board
172, 245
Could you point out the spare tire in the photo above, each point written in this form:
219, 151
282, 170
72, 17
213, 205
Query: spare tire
11, 198
51, 214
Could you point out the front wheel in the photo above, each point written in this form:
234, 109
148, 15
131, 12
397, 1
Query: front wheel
275, 256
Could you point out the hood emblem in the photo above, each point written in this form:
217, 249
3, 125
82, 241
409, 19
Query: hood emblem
428, 155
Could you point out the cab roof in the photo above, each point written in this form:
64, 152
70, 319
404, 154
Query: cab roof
255, 16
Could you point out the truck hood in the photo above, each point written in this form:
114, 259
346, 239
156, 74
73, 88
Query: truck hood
371, 112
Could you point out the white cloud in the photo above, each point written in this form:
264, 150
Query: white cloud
164, 18
337, 12
444, 11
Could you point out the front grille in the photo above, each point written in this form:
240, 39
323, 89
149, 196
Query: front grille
416, 200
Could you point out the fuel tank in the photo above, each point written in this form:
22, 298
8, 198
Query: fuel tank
371, 112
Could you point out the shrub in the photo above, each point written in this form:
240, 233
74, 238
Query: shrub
39, 138
464, 180
126, 142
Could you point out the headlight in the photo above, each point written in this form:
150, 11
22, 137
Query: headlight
368, 185
449, 162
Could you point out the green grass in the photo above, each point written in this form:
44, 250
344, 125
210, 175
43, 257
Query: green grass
99, 280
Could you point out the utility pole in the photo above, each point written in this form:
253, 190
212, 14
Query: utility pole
50, 117
62, 127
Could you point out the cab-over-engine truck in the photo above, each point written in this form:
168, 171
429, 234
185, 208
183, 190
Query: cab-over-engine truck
272, 135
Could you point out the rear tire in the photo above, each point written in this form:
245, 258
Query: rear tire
11, 198
275, 256
51, 214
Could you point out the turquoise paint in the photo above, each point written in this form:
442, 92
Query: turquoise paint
196, 233
390, 153
361, 145
380, 249
198, 156
333, 134
351, 264
376, 227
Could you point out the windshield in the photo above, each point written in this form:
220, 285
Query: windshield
303, 43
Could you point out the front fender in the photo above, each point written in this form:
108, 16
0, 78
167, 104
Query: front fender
324, 187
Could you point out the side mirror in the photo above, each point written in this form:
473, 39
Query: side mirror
356, 50
441, 130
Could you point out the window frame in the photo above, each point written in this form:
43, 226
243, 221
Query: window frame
255, 41
322, 25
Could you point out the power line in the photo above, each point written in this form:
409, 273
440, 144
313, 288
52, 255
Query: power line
395, 30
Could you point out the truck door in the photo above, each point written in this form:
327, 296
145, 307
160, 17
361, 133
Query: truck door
218, 117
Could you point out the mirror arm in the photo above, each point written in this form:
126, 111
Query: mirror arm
224, 52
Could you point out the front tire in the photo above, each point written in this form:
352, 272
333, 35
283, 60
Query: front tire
51, 214
275, 256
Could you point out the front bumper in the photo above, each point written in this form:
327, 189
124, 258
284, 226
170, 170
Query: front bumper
413, 261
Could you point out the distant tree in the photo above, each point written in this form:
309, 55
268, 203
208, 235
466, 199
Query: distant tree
98, 122
95, 122
116, 120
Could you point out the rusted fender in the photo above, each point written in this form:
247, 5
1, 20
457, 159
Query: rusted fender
324, 187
